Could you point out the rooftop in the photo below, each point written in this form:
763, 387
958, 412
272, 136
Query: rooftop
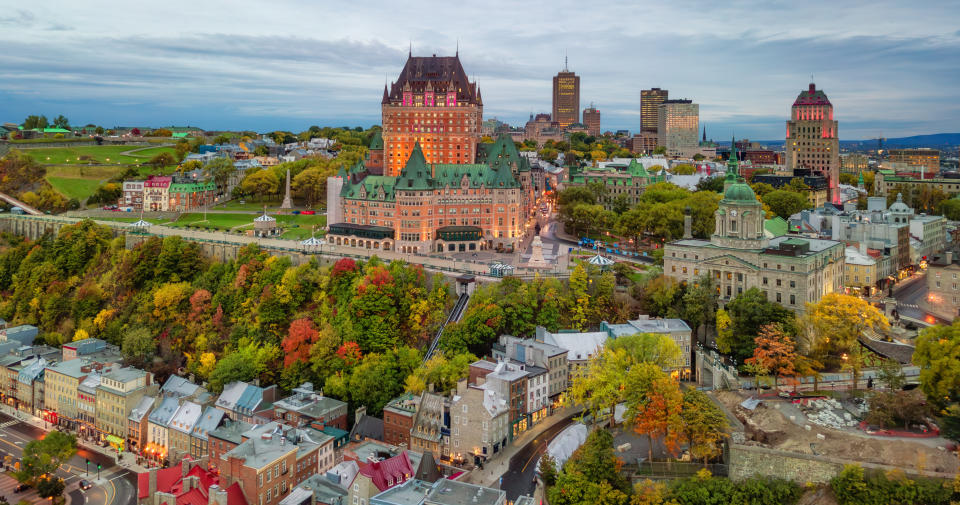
144, 406
162, 413
186, 417
209, 420
231, 431
270, 441
451, 492
411, 492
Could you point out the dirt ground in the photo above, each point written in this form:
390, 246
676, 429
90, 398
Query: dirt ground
768, 426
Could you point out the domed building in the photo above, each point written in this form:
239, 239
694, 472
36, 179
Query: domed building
738, 256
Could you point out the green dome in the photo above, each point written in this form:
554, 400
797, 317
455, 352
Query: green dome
740, 192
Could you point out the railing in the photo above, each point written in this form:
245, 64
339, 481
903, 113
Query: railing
661, 470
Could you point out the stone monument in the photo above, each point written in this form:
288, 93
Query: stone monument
536, 254
287, 204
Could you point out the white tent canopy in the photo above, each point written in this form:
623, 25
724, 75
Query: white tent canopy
564, 444
312, 242
141, 224
600, 261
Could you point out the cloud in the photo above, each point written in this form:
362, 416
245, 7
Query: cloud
299, 63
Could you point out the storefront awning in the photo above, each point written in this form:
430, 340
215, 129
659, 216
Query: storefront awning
115, 440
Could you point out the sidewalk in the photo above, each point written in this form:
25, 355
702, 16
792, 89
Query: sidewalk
127, 460
490, 475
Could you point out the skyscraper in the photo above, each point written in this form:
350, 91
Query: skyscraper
433, 103
591, 119
650, 100
812, 141
566, 97
678, 127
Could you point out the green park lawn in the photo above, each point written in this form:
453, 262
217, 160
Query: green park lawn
74, 187
130, 219
296, 226
253, 205
93, 154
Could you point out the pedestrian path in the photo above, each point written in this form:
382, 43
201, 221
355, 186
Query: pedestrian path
9, 423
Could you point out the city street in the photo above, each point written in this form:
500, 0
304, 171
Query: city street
116, 485
518, 479
910, 298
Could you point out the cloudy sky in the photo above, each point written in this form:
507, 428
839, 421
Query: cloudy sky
890, 68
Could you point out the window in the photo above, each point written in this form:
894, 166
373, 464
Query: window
778, 298
793, 299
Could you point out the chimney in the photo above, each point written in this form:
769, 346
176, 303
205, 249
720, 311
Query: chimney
430, 387
221, 497
359, 413
687, 223
213, 494
949, 257
152, 481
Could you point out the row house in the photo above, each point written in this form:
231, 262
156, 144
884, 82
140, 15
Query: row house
398, 416
209, 420
533, 353
137, 425
120, 390
246, 402
181, 426
30, 387
479, 422
429, 432
306, 406
87, 405
273, 458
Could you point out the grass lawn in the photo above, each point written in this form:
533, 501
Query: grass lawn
252, 205
74, 187
130, 219
297, 226
91, 154
84, 172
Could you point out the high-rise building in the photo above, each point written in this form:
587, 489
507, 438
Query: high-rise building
812, 142
566, 97
922, 159
433, 103
591, 119
650, 100
678, 127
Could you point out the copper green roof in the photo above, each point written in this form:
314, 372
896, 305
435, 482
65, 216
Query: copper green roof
415, 173
776, 226
377, 141
191, 187
740, 192
371, 186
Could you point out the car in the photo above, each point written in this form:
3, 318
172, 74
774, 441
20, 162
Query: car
309, 212
84, 485
21, 488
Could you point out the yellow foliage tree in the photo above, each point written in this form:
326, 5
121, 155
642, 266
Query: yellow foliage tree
80, 335
208, 361
167, 298
103, 317
837, 322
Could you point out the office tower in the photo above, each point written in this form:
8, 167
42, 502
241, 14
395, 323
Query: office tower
812, 145
591, 119
433, 103
566, 97
678, 126
650, 100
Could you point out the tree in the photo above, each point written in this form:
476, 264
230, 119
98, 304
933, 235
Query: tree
50, 487
786, 203
774, 351
248, 362
577, 489
889, 409
138, 345
609, 378
660, 416
61, 122
162, 160
261, 183
837, 322
659, 150
300, 338
44, 456
891, 374
311, 184
440, 371
704, 424
950, 209
221, 169
950, 423
749, 312
596, 461
35, 122
548, 469
654, 348
938, 356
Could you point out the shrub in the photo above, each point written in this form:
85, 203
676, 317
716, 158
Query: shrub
852, 487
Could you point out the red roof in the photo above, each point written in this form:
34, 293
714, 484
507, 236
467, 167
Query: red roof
389, 472
812, 96
169, 480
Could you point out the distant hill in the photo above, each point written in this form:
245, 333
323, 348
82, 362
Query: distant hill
933, 140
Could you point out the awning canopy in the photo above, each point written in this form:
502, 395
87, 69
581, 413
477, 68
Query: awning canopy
600, 261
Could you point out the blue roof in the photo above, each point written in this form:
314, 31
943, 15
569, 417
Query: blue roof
209, 421
162, 414
23, 334
250, 398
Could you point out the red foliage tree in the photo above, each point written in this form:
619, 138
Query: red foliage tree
199, 303
300, 337
349, 353
660, 415
343, 266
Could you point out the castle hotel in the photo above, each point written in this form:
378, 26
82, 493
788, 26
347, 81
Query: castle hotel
428, 184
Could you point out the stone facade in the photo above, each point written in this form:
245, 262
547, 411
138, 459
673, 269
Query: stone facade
812, 141
791, 271
620, 181
479, 427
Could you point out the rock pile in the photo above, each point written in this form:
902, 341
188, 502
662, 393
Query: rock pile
829, 413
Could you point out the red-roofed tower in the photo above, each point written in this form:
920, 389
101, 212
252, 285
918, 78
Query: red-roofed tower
812, 139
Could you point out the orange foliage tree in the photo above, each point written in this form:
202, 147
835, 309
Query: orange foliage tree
300, 337
661, 415
775, 352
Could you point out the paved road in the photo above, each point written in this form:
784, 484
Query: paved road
117, 485
518, 479
910, 299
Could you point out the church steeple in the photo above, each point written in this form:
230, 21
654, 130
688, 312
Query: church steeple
733, 165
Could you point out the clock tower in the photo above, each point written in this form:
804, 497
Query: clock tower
739, 217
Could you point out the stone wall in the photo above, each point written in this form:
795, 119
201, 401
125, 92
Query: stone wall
754, 461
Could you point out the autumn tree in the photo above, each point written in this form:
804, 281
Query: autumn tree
138, 346
45, 456
749, 312
660, 415
261, 183
775, 352
596, 461
704, 425
161, 160
938, 356
612, 377
440, 371
300, 338
837, 322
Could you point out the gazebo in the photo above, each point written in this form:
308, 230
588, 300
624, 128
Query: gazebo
265, 225
140, 226
311, 244
600, 261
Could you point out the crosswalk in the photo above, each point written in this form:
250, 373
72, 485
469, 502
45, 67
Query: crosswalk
908, 305
9, 423
8, 484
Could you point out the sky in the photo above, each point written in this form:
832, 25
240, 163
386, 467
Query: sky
890, 68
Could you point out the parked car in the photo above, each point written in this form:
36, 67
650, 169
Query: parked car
84, 485
21, 488
309, 212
